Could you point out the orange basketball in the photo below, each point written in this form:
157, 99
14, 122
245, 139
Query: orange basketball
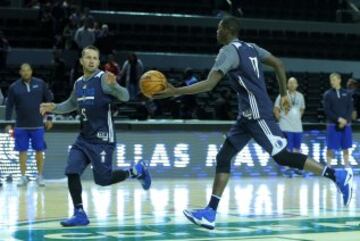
151, 82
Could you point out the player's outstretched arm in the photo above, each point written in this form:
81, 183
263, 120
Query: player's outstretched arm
111, 87
67, 106
203, 86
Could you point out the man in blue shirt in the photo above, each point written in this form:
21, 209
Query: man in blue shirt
26, 94
241, 62
338, 107
92, 96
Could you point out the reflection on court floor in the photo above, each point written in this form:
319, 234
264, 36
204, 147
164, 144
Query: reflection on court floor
251, 209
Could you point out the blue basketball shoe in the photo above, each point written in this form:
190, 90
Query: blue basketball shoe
143, 174
79, 219
344, 181
202, 217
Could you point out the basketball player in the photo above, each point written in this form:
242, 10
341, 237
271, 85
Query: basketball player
241, 62
26, 95
92, 97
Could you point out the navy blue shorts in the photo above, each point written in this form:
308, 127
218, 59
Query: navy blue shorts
23, 137
293, 139
82, 153
266, 132
338, 139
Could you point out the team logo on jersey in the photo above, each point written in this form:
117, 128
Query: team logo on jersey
102, 135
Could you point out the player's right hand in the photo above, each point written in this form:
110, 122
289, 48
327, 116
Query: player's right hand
168, 92
46, 107
7, 128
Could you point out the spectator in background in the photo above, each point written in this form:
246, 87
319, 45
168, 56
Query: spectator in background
112, 66
84, 36
131, 72
223, 106
290, 122
26, 94
105, 40
338, 106
353, 88
4, 50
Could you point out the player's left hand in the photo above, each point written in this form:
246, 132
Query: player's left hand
48, 125
285, 103
168, 92
110, 78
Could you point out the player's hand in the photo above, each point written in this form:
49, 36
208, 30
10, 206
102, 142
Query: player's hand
7, 128
46, 107
285, 103
110, 78
342, 121
168, 92
48, 125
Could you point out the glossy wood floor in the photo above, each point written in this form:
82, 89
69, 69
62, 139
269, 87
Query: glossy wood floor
251, 209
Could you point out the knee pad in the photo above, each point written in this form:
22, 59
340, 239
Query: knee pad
224, 157
290, 159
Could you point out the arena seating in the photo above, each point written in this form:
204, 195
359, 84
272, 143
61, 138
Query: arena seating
191, 38
314, 10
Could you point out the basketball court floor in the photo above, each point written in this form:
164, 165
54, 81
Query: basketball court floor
271, 209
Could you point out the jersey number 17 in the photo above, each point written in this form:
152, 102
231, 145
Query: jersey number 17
255, 65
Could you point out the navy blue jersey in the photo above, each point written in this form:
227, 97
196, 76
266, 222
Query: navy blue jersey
338, 103
248, 81
26, 98
95, 110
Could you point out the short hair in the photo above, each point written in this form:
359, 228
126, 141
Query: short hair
292, 77
92, 47
25, 64
337, 75
232, 24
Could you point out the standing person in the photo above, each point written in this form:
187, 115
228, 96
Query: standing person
338, 106
26, 94
290, 123
84, 36
92, 96
132, 70
240, 61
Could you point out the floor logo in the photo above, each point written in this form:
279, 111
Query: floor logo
166, 228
